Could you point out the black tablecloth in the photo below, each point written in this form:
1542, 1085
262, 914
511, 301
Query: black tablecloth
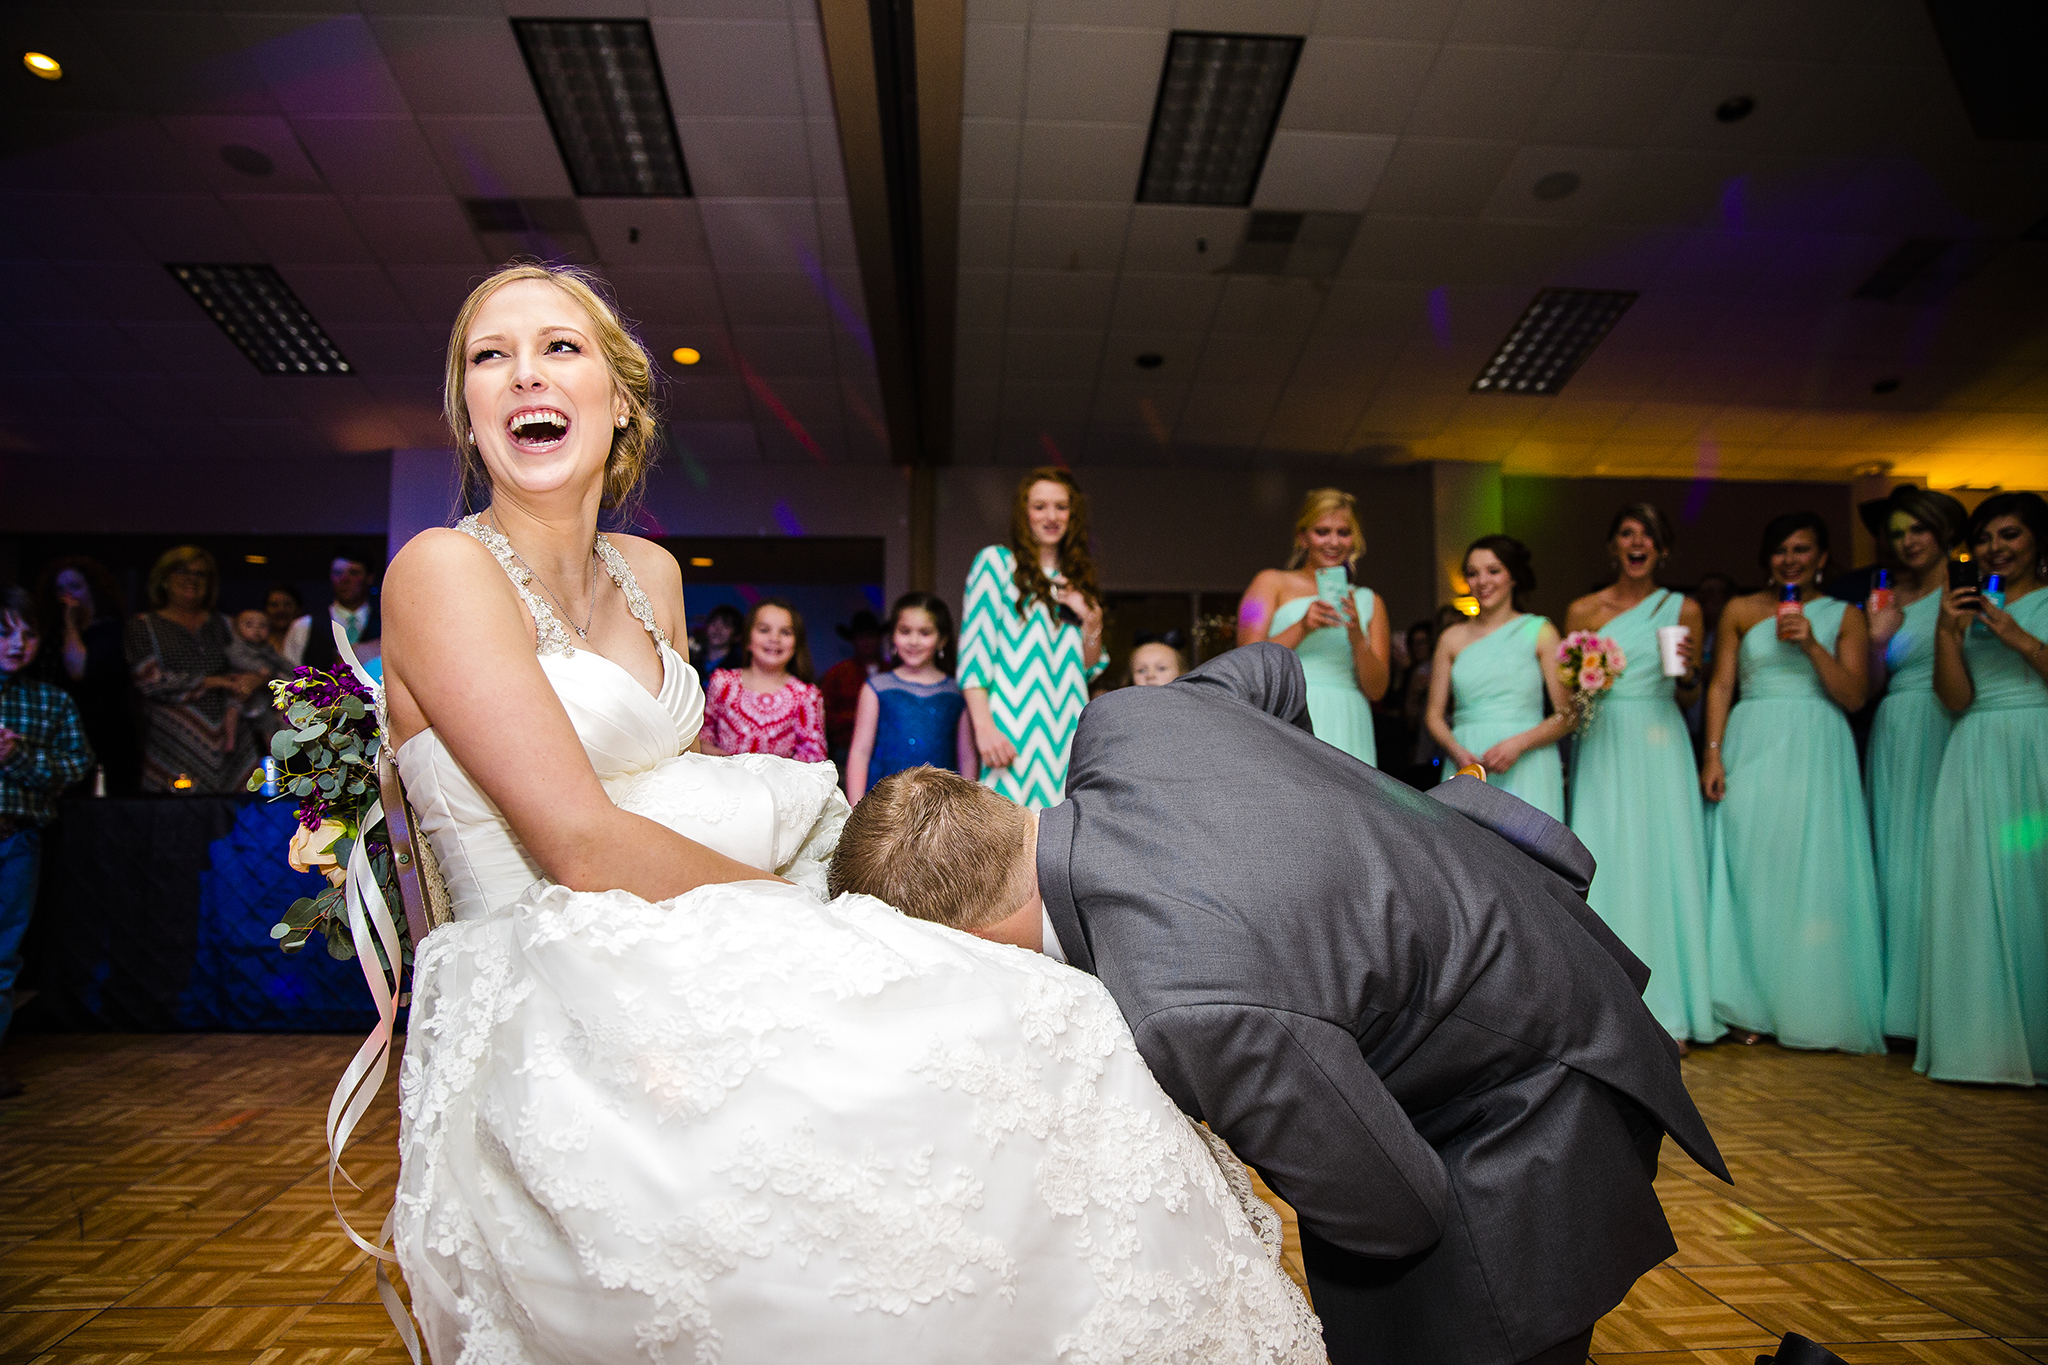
154, 915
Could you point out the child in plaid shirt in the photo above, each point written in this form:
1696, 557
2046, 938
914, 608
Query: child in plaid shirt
42, 751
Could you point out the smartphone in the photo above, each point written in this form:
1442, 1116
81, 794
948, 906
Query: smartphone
1333, 585
1962, 573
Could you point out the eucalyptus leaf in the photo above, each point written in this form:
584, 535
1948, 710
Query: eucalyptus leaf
282, 745
339, 948
308, 733
352, 706
302, 786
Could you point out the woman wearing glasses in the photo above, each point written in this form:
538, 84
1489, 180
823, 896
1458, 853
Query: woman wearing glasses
177, 651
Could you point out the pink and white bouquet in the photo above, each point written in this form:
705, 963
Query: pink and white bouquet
1589, 665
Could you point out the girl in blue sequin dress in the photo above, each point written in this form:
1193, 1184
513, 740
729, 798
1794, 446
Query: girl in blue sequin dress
915, 714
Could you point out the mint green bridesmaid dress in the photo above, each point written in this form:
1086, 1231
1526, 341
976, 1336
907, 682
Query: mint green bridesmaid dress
1497, 691
1984, 955
1336, 708
1636, 806
1794, 940
1903, 760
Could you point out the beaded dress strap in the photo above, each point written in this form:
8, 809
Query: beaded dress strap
552, 637
636, 600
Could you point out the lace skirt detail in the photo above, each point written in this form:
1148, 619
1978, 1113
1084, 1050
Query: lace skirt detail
746, 1126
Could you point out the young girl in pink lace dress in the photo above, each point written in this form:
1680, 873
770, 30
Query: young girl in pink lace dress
768, 707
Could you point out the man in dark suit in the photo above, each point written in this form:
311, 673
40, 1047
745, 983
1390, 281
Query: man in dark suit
354, 610
1398, 1009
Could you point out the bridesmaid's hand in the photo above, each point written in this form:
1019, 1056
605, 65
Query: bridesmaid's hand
1713, 777
1959, 607
1089, 614
1320, 616
1794, 628
1884, 622
1500, 757
2003, 626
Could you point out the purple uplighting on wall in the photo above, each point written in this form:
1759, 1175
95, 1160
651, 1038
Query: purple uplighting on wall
1703, 471
1732, 192
785, 518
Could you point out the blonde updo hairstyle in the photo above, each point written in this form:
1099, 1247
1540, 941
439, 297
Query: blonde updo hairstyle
632, 371
1319, 503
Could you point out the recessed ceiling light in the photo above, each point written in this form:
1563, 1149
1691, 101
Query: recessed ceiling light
1556, 185
261, 315
247, 160
601, 85
685, 355
1885, 386
49, 68
1151, 360
1551, 340
255, 559
700, 562
1219, 99
1735, 108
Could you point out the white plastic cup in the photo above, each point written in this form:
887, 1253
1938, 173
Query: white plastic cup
1669, 638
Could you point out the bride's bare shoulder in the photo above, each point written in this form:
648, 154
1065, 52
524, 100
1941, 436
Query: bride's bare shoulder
437, 560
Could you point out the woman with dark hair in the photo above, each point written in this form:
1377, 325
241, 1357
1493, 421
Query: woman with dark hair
1343, 641
1984, 960
290, 627
1793, 928
80, 609
725, 642
1910, 730
178, 654
768, 705
1635, 795
1491, 675
1030, 640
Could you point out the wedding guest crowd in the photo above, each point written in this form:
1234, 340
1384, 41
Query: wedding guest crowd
80, 611
177, 654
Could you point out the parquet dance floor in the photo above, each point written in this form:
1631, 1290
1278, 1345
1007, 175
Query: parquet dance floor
163, 1202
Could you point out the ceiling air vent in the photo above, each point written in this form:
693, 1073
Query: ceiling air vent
1301, 245
1219, 99
600, 83
1552, 339
263, 317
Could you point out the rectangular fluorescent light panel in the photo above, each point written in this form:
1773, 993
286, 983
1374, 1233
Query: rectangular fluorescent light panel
1552, 339
1219, 99
600, 83
261, 315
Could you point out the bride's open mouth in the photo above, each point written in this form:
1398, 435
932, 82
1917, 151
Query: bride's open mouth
538, 429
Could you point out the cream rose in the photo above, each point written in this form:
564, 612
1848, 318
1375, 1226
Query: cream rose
313, 849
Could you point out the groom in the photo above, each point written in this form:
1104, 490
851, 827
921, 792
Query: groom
1399, 1010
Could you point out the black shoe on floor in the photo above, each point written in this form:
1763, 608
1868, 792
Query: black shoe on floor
10, 1087
1798, 1350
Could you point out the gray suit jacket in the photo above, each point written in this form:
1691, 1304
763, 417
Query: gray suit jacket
1399, 1009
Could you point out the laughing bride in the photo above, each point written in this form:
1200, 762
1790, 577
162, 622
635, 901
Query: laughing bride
660, 1101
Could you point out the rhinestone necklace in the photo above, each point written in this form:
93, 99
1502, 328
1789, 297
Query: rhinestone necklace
568, 617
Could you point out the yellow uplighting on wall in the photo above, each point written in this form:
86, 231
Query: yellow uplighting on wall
49, 68
685, 355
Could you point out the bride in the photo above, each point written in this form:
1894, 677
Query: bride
660, 1101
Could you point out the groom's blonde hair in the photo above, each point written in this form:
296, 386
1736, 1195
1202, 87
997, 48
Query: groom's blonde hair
938, 847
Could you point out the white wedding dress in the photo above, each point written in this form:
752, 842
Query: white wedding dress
746, 1125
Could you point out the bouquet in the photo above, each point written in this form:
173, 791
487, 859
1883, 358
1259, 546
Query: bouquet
326, 759
1589, 664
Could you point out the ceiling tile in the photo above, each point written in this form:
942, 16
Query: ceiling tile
1605, 257
1227, 414
647, 234
978, 356
1032, 358
1441, 179
1127, 13
708, 398
1313, 418
132, 155
1330, 172
182, 62
984, 298
1085, 161
993, 79
747, 158
1030, 405
498, 158
1777, 87
1165, 303
761, 234
1815, 30
1895, 31
771, 298
183, 227
977, 402
64, 226
988, 159
786, 351
388, 350
1268, 306
1060, 299
1349, 362
320, 64
295, 228
1245, 361
734, 69
1424, 21
1677, 189
1069, 236
434, 294
1182, 238
1234, 16
458, 66
1599, 169
203, 135
415, 230
365, 156
1179, 353
195, 347
1093, 75
350, 295
1374, 309
122, 291
669, 298
86, 347
985, 234
1719, 263
836, 236
1484, 92
1530, 23
1346, 85
1154, 409
1610, 99
1665, 26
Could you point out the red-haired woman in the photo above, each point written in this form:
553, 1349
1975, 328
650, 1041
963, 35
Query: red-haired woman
1031, 639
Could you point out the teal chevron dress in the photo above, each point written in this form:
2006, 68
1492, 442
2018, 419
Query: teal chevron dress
1497, 691
1336, 708
1906, 743
1636, 806
1793, 935
1984, 956
1029, 663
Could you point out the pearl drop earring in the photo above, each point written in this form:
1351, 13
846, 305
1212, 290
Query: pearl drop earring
622, 422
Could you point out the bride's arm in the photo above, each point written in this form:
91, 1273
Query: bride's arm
459, 656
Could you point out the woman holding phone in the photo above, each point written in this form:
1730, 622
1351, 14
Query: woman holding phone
1635, 801
1313, 607
1492, 674
1911, 728
1793, 930
1984, 989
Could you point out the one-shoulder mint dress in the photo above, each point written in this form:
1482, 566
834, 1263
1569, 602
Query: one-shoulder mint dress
1636, 806
1497, 691
1903, 760
1793, 933
1336, 708
1984, 956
